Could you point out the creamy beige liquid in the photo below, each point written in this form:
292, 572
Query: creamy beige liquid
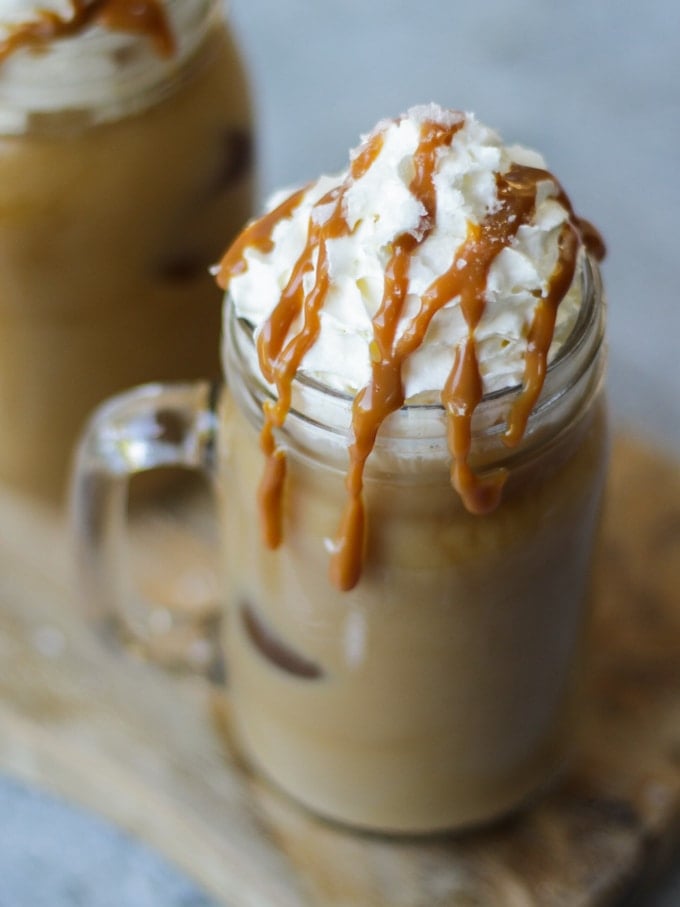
106, 235
437, 693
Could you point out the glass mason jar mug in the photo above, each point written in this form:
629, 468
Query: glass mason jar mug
439, 692
124, 162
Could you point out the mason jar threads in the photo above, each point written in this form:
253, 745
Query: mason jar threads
125, 158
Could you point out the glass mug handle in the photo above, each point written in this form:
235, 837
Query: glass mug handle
147, 427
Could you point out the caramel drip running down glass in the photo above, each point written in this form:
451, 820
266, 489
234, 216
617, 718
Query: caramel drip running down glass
414, 362
280, 355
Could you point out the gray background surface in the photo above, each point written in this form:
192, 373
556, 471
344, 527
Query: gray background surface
55, 855
595, 86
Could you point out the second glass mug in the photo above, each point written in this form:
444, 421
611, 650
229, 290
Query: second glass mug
123, 172
440, 692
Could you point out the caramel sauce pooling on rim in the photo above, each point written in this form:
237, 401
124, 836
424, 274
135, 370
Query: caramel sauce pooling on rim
280, 353
143, 17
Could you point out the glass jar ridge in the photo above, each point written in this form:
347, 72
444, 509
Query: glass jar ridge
320, 417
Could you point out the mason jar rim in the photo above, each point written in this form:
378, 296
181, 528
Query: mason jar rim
581, 347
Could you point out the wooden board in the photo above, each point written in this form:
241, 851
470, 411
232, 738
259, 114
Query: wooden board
141, 746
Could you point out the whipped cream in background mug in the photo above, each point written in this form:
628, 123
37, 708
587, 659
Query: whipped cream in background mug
110, 71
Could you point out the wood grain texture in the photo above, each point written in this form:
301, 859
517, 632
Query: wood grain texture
145, 748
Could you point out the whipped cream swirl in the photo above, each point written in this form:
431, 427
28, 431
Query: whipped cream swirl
379, 207
440, 266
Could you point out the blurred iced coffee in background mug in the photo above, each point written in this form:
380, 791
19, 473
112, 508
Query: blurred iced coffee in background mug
125, 160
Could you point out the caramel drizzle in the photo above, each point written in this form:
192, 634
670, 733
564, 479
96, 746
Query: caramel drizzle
384, 393
463, 389
144, 17
466, 278
257, 235
541, 334
280, 360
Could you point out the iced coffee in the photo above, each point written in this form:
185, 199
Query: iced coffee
125, 158
411, 456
